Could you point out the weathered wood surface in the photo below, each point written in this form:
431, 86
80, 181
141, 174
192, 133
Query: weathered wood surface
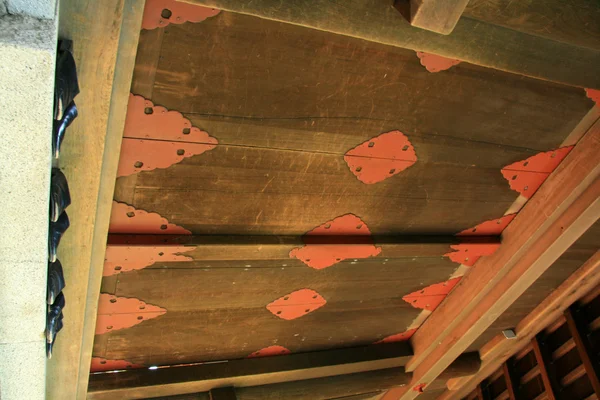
105, 38
378, 21
573, 22
565, 266
141, 383
216, 310
438, 16
286, 102
563, 209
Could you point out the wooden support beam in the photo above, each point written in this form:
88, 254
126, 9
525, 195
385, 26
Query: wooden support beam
263, 247
438, 16
105, 36
493, 46
579, 330
551, 386
499, 349
248, 372
331, 373
566, 205
511, 386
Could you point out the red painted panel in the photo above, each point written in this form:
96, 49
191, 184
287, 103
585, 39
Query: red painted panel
435, 63
120, 259
127, 219
270, 351
296, 304
177, 13
381, 157
528, 175
116, 313
431, 296
345, 237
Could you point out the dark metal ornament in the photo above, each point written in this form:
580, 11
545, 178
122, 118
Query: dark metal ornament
60, 198
57, 229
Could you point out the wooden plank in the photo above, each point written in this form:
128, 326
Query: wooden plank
511, 387
319, 375
572, 376
560, 212
495, 47
499, 349
436, 16
530, 375
551, 386
278, 247
250, 372
229, 320
575, 22
225, 393
104, 35
563, 349
579, 330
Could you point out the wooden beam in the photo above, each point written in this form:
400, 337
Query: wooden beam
492, 46
438, 16
566, 205
500, 349
579, 330
511, 387
551, 386
248, 372
372, 368
105, 36
277, 247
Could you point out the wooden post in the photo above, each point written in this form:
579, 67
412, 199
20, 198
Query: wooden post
511, 386
579, 331
546, 371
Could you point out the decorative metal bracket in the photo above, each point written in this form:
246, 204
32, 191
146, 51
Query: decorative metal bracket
593, 94
296, 304
469, 253
435, 63
160, 13
127, 219
100, 364
528, 175
340, 239
430, 297
116, 313
493, 227
381, 157
398, 337
120, 259
270, 351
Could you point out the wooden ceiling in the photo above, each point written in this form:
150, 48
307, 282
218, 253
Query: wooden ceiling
209, 238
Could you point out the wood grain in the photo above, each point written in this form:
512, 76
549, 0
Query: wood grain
252, 372
224, 315
436, 16
377, 21
564, 208
104, 35
498, 350
574, 22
